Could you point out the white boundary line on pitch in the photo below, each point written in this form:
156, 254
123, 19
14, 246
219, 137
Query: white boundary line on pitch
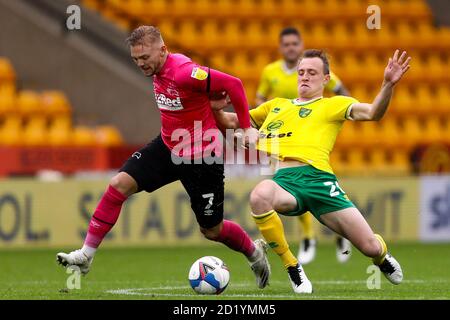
153, 291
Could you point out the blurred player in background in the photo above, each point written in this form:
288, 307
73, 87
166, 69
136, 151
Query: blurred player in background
182, 89
279, 80
304, 135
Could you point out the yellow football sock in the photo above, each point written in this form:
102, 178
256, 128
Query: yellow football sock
306, 223
271, 227
378, 260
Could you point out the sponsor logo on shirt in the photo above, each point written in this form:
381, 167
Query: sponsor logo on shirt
165, 103
199, 74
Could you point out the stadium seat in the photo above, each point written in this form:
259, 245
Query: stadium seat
83, 136
29, 103
55, 103
108, 136
7, 104
434, 130
442, 96
412, 132
402, 101
11, 133
389, 132
357, 161
35, 132
7, 73
400, 163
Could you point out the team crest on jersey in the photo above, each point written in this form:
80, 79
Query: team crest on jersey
276, 110
199, 74
275, 125
304, 112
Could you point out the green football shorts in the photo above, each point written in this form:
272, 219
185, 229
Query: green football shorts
316, 191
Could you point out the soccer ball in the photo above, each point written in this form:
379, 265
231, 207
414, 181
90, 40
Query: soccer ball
209, 275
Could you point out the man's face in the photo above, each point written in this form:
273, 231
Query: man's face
311, 78
291, 47
148, 56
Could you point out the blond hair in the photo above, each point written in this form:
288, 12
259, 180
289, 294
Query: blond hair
142, 33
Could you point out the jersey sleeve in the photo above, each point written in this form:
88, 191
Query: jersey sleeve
340, 107
334, 84
193, 77
264, 84
259, 114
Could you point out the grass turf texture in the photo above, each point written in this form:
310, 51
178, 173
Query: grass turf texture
161, 273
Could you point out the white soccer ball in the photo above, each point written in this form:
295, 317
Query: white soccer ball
209, 275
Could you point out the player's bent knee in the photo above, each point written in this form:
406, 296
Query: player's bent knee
210, 234
371, 248
261, 198
124, 183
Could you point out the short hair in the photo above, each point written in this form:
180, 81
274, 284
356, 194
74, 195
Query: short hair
290, 30
315, 53
141, 33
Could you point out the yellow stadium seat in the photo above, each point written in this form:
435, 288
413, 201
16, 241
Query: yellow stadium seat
442, 98
434, 131
408, 37
7, 73
83, 136
29, 103
319, 36
338, 162
55, 103
7, 104
232, 34
255, 36
360, 93
443, 38
35, 132
189, 33
260, 59
436, 70
348, 136
412, 133
224, 7
402, 101
361, 36
108, 136
342, 37
446, 130
168, 29
378, 161
400, 163
357, 160
370, 134
10, 136
424, 101
241, 66
92, 4
351, 66
389, 132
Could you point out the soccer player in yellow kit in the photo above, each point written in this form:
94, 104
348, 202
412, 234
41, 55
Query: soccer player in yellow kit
300, 133
279, 80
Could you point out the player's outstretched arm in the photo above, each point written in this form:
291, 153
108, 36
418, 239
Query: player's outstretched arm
396, 68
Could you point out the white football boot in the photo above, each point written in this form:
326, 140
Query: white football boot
75, 258
299, 281
307, 251
260, 264
343, 250
391, 269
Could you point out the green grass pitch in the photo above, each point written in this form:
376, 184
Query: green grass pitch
161, 273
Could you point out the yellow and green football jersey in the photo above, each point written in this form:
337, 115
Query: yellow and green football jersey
278, 81
303, 131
